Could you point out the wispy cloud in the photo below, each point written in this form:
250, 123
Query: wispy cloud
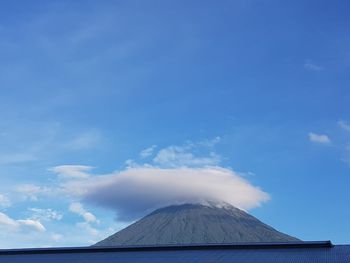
89, 219
148, 151
40, 214
210, 142
31, 191
319, 138
339, 141
4, 201
309, 65
85, 141
344, 125
31, 224
191, 154
178, 156
78, 209
21, 224
72, 171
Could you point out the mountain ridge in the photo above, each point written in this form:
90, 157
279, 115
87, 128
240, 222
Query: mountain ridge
195, 224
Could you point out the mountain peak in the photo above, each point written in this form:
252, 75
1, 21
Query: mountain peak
194, 224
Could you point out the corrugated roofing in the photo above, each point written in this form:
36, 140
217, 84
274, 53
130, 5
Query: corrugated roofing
243, 253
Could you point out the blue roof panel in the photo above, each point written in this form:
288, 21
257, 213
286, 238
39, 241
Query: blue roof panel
190, 254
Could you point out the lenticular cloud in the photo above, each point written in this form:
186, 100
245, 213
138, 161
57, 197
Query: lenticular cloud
138, 190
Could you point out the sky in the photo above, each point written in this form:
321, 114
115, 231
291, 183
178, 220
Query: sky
110, 109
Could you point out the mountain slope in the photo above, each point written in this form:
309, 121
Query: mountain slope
195, 223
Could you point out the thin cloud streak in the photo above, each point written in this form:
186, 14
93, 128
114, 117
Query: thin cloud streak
78, 208
319, 138
147, 152
72, 171
344, 125
309, 65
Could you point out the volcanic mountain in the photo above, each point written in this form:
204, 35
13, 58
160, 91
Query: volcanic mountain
194, 224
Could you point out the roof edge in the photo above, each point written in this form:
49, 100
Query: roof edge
94, 249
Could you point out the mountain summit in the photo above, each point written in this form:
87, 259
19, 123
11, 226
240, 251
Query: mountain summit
193, 224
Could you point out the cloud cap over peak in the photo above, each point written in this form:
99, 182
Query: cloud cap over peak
138, 190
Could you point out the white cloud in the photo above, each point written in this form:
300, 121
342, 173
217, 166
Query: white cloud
131, 163
44, 214
20, 225
178, 174
7, 221
319, 138
72, 171
147, 152
31, 224
344, 125
309, 65
136, 191
4, 201
181, 156
78, 208
89, 218
31, 191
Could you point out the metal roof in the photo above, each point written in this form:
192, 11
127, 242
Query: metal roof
320, 251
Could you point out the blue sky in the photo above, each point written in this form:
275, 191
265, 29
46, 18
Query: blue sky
258, 90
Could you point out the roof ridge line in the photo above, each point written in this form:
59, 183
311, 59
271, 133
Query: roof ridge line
93, 249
